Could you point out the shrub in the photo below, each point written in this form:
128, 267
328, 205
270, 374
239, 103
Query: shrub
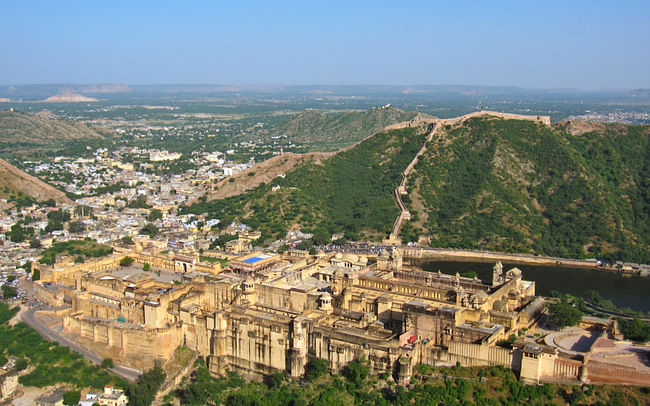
71, 398
8, 291
316, 368
107, 363
21, 364
565, 315
126, 261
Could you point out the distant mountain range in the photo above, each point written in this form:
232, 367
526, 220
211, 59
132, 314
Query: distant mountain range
68, 97
41, 92
640, 93
330, 131
36, 92
27, 131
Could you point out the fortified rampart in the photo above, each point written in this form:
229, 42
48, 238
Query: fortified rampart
433, 127
546, 120
475, 355
605, 373
130, 345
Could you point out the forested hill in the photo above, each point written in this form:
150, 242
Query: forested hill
321, 131
20, 131
349, 192
574, 190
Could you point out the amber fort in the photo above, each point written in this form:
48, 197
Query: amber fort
268, 312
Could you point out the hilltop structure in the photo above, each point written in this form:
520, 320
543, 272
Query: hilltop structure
273, 313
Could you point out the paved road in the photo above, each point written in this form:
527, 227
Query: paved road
30, 319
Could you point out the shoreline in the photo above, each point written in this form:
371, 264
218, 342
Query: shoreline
442, 254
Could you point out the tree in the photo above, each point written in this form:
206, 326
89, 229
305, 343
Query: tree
127, 240
71, 398
305, 245
565, 315
58, 216
316, 368
8, 291
146, 267
275, 380
76, 227
18, 233
149, 229
144, 390
635, 329
21, 363
107, 363
139, 202
126, 261
154, 215
53, 225
321, 236
356, 372
35, 243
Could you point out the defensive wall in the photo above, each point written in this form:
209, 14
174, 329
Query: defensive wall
434, 125
132, 346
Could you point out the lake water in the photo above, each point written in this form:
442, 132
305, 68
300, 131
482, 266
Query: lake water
632, 292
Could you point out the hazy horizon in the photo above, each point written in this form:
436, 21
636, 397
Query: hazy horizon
587, 46
315, 85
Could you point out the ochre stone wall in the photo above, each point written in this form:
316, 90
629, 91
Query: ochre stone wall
137, 348
601, 373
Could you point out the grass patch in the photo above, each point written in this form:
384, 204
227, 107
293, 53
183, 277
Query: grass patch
85, 248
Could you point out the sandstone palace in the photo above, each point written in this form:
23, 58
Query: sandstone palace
267, 313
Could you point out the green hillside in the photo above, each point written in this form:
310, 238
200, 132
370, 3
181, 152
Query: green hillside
20, 131
518, 186
349, 192
330, 131
493, 184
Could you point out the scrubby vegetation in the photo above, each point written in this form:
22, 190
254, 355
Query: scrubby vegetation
518, 186
565, 314
142, 392
51, 362
87, 248
570, 310
429, 386
19, 132
322, 131
351, 192
126, 261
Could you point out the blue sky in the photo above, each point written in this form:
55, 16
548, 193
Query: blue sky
542, 44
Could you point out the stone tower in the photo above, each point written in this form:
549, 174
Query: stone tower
497, 274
